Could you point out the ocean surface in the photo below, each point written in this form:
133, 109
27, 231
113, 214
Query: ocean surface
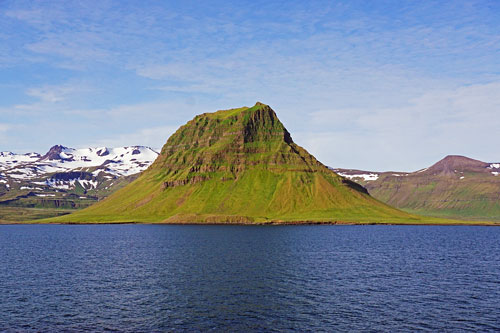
249, 278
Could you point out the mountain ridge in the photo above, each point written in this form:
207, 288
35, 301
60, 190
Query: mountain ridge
454, 187
67, 177
452, 163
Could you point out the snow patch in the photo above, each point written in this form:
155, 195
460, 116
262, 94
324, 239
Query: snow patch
494, 166
65, 156
88, 184
366, 177
122, 161
60, 184
96, 173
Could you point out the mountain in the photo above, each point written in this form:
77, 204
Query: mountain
68, 178
455, 187
238, 165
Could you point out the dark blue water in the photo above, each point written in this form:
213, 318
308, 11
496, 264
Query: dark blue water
202, 278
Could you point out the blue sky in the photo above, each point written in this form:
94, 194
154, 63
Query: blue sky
376, 85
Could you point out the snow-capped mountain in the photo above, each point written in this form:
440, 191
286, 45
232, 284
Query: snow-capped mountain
87, 172
123, 161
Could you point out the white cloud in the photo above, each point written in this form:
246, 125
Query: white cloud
173, 70
133, 115
383, 82
148, 124
54, 93
459, 121
76, 46
154, 137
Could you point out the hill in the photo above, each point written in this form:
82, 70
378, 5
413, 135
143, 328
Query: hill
238, 165
455, 187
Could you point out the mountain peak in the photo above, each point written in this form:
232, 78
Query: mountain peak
54, 153
452, 163
221, 134
228, 113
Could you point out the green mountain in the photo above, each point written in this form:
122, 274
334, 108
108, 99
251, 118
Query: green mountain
239, 165
455, 187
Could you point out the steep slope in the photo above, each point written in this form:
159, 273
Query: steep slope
67, 178
238, 165
455, 187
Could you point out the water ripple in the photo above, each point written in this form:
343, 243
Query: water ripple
231, 278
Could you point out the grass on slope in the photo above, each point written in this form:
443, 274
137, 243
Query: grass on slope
465, 215
473, 198
217, 201
22, 214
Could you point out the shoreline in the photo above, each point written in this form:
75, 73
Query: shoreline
465, 223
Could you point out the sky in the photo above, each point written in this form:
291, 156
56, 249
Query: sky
370, 85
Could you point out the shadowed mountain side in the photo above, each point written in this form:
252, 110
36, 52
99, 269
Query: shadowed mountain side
238, 166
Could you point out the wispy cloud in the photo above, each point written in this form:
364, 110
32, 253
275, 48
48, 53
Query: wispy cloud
458, 121
52, 123
55, 93
153, 137
348, 79
75, 46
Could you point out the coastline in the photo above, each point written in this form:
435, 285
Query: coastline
272, 223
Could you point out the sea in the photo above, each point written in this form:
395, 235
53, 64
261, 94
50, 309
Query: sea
156, 278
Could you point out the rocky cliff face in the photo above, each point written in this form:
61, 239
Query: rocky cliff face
230, 142
237, 165
54, 153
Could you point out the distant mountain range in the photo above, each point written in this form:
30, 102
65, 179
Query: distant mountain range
456, 187
68, 178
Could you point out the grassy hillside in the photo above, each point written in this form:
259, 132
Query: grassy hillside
455, 187
239, 165
23, 214
476, 196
